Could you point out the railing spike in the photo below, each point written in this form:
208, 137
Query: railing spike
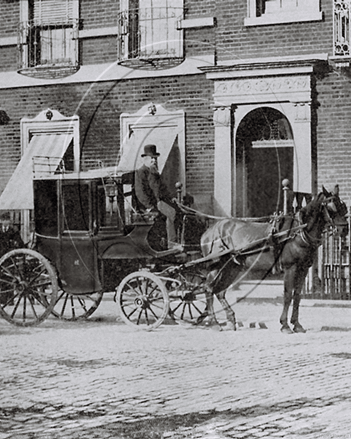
295, 204
304, 202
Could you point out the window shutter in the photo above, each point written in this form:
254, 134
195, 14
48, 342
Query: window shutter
52, 11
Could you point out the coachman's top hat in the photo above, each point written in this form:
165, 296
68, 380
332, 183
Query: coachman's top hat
5, 216
150, 150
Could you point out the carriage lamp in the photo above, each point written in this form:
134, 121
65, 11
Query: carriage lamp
111, 193
179, 187
152, 109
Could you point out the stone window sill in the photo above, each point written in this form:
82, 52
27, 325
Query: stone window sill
284, 17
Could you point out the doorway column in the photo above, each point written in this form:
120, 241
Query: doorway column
222, 117
302, 138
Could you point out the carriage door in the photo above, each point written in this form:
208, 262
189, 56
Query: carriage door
78, 268
264, 157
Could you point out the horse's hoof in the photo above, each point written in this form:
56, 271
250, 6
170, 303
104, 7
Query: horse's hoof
214, 326
230, 326
299, 329
286, 329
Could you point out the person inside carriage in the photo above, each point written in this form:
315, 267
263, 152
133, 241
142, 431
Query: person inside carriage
153, 195
10, 237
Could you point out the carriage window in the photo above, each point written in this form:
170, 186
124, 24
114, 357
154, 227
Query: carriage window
75, 206
45, 207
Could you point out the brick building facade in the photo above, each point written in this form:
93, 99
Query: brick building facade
258, 89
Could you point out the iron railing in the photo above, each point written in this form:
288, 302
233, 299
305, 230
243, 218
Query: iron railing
48, 49
330, 277
341, 26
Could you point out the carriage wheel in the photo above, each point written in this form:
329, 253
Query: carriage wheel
72, 307
28, 287
142, 300
188, 296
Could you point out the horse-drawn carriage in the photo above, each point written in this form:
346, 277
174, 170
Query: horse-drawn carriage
90, 239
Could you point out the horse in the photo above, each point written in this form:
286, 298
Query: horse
289, 243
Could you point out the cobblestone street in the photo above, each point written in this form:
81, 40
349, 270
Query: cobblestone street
103, 379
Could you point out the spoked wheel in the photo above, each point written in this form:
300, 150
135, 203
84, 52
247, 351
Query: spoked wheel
72, 307
142, 300
187, 296
28, 287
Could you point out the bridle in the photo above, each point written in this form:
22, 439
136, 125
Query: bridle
329, 202
327, 205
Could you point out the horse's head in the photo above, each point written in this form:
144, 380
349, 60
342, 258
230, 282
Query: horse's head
335, 212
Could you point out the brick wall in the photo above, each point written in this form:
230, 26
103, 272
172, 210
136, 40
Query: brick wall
98, 50
199, 8
98, 13
9, 17
334, 132
8, 57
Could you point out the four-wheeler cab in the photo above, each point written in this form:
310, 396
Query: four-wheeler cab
87, 223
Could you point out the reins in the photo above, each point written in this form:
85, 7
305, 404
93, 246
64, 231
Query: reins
189, 210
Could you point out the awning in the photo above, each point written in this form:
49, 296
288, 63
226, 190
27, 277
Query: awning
162, 137
18, 193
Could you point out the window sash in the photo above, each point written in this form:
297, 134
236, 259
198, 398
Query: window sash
266, 7
155, 27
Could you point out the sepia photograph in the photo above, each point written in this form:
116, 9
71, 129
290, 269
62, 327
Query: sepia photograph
175, 196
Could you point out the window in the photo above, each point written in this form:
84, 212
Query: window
147, 31
75, 202
48, 36
282, 11
46, 207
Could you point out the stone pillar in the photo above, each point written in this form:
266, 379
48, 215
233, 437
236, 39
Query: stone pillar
222, 117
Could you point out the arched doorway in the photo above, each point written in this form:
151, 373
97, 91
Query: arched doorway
264, 156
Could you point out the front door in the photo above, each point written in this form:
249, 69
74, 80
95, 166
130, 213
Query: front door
264, 157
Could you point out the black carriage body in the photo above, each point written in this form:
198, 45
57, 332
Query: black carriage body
83, 232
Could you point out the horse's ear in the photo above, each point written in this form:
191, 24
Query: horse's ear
325, 192
336, 190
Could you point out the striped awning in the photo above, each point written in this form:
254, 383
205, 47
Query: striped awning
18, 193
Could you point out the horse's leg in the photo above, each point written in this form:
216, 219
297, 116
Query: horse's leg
300, 277
289, 277
228, 310
212, 321
228, 273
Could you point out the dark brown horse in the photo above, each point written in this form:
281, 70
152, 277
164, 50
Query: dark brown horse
289, 243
